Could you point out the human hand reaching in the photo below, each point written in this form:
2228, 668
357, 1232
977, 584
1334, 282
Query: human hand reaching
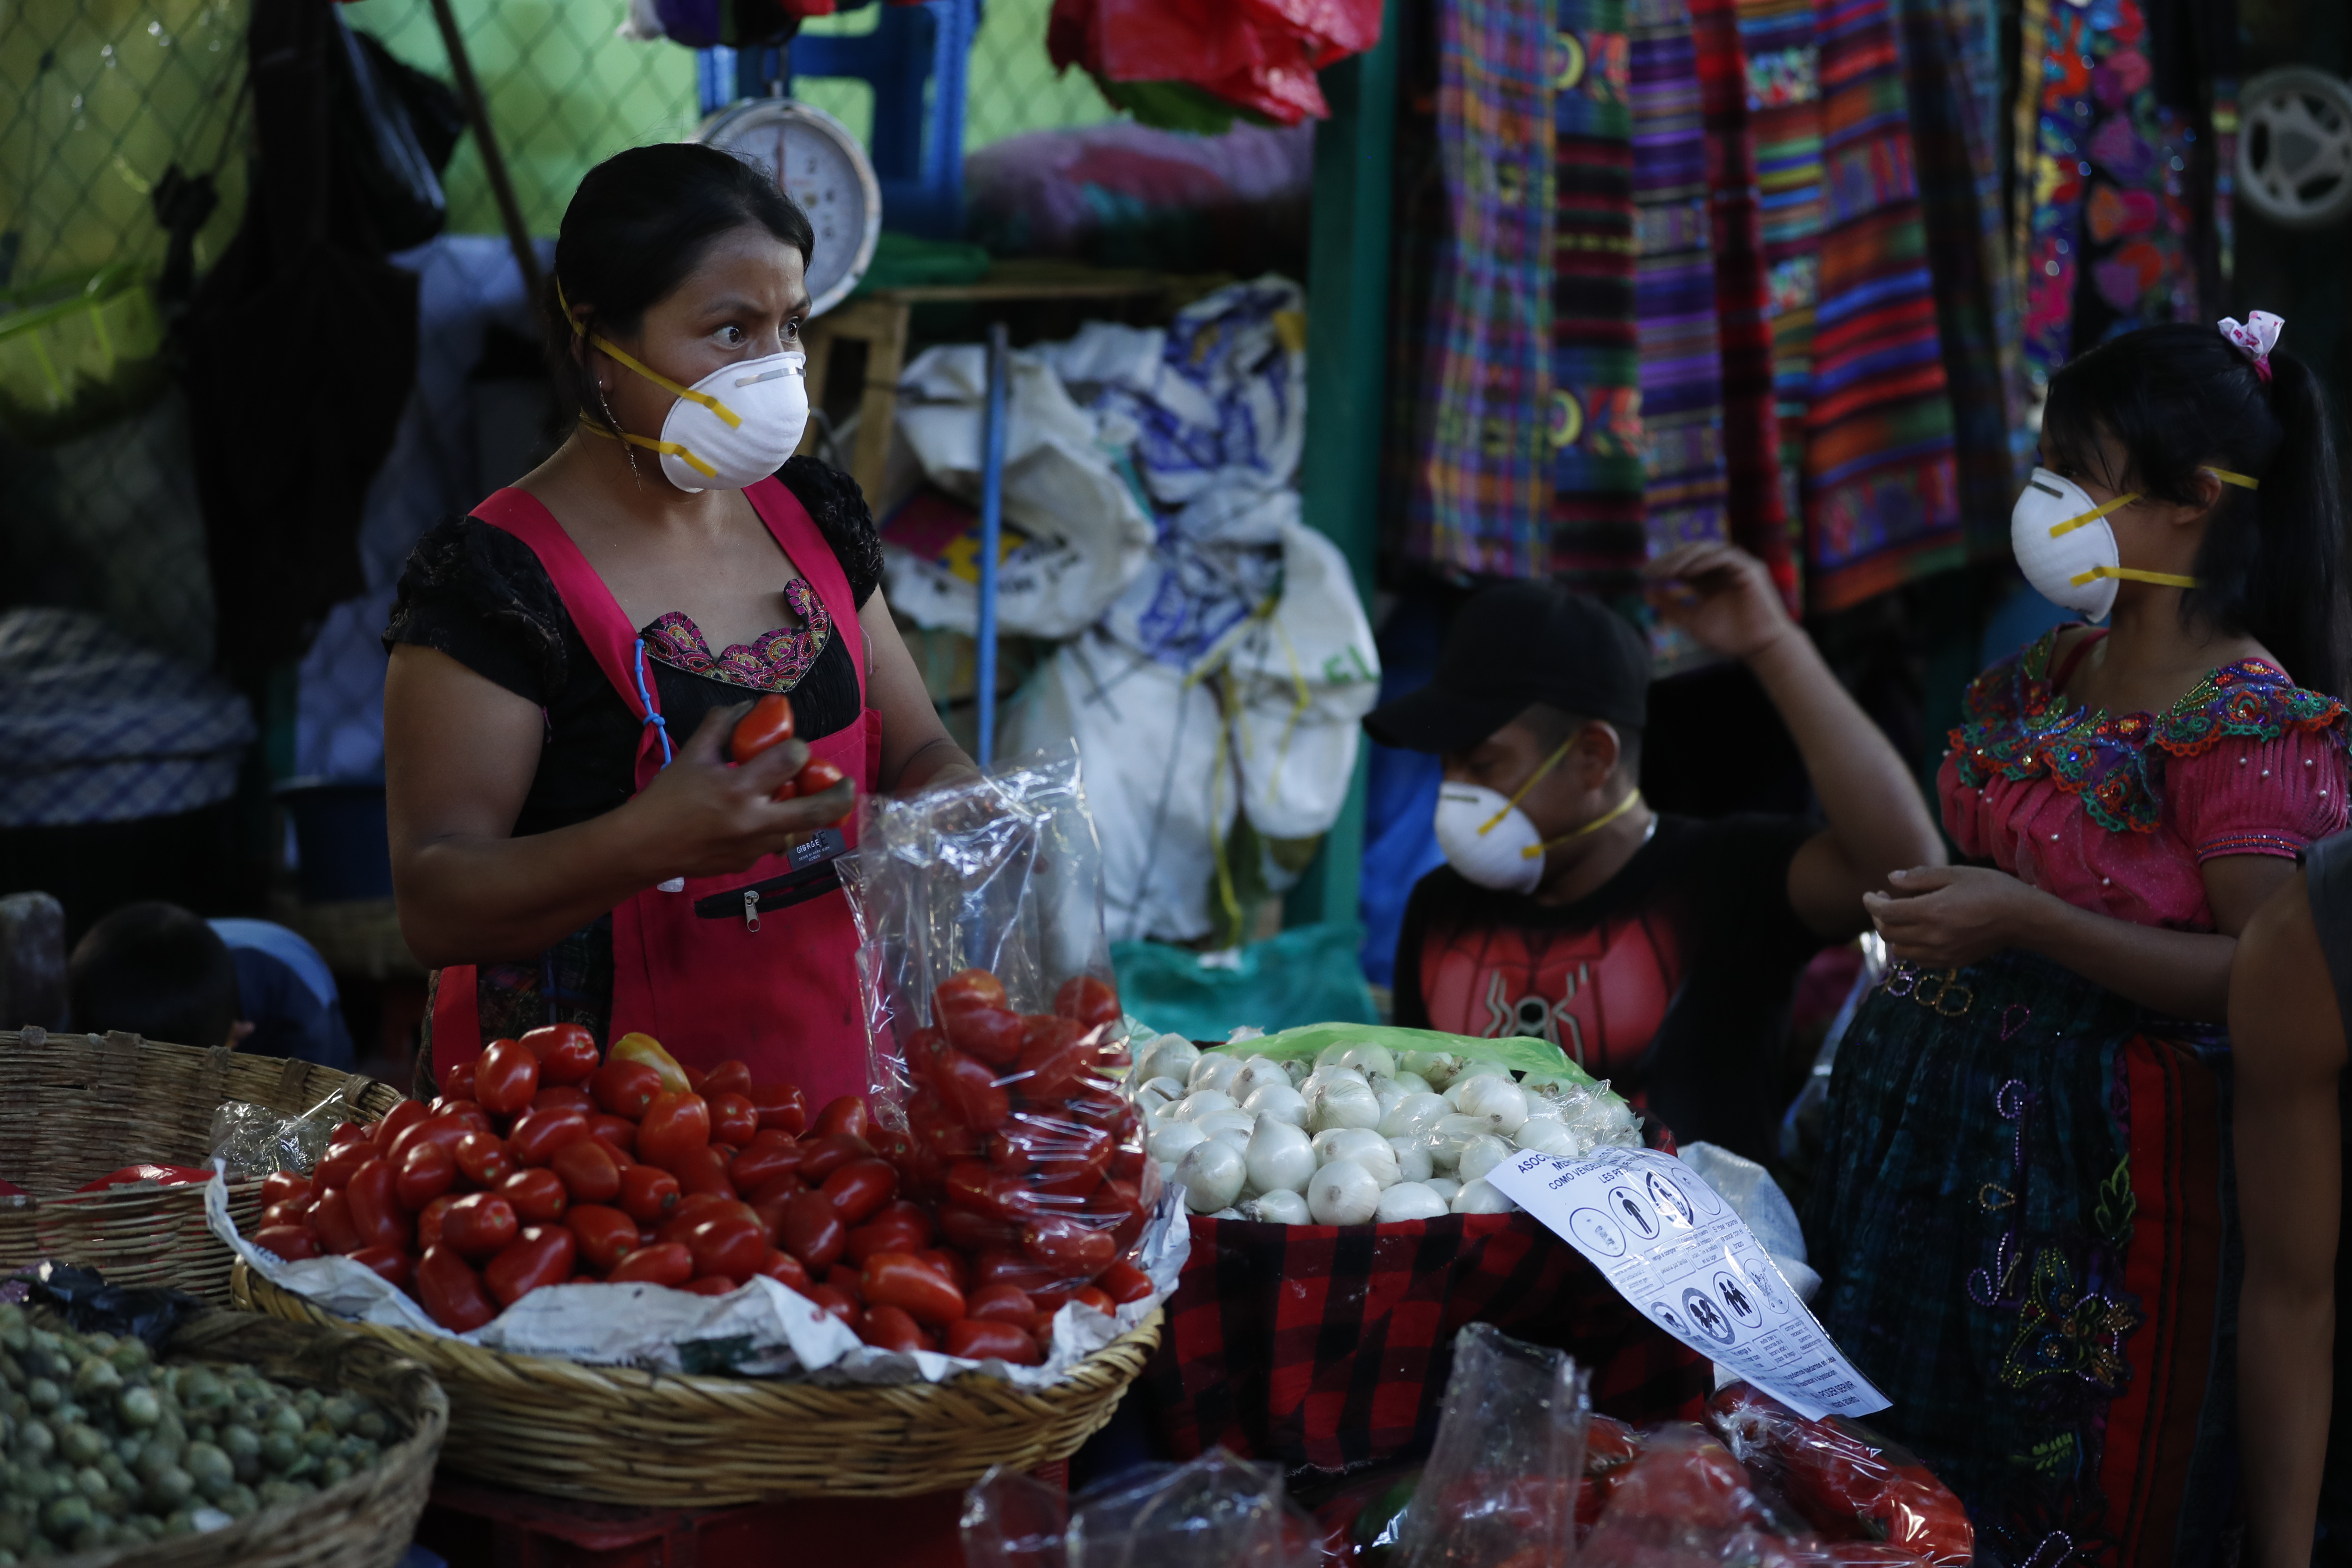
1720, 596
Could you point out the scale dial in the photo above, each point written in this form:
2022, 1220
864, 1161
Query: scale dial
823, 168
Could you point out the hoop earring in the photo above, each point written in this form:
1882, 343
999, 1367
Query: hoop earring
628, 453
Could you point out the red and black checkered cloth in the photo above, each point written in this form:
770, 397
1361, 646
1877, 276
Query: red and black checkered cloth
1329, 1346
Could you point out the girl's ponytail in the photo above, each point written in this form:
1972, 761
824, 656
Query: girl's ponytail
2180, 397
2296, 592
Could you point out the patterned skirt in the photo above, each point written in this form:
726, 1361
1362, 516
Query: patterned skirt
2021, 1226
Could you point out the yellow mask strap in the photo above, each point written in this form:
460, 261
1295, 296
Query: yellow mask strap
668, 449
2241, 480
734, 420
2133, 575
2072, 523
1549, 763
1534, 851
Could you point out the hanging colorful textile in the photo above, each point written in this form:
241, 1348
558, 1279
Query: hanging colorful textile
1756, 513
1674, 294
1880, 502
1951, 66
2111, 213
1597, 541
1479, 492
1782, 66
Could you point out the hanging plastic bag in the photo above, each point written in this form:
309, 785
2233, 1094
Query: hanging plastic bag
1214, 1510
995, 1031
1260, 55
1501, 1483
1075, 533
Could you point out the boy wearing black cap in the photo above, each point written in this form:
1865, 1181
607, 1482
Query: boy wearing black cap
1659, 951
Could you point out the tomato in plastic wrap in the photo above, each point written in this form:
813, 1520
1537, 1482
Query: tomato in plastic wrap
1677, 1505
1845, 1478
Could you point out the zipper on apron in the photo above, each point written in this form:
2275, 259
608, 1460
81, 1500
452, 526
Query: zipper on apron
752, 908
775, 894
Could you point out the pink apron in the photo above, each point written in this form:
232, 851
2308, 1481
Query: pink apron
760, 965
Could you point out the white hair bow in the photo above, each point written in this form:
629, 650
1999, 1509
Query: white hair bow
2256, 338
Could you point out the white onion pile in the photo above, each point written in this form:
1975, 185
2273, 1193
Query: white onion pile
1363, 1135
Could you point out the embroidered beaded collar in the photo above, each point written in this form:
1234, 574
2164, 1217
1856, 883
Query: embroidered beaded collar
2017, 724
773, 661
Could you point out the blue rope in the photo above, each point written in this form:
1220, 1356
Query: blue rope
645, 700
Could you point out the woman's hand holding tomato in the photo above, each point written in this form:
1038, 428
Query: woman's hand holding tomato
703, 815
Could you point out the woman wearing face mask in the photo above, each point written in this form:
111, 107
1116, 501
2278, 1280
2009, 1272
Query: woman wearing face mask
570, 839
2021, 1221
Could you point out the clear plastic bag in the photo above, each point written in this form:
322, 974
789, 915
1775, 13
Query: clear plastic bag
1214, 1510
993, 1025
1502, 1479
256, 1141
1847, 1481
1683, 1502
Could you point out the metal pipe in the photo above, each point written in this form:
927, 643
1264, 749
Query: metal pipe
494, 163
992, 533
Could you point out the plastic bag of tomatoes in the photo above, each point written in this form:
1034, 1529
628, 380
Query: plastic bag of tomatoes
995, 1032
1847, 1481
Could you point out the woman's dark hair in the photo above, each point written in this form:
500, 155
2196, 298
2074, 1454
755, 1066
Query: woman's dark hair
2180, 397
638, 225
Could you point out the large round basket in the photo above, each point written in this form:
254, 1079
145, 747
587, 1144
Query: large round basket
616, 1435
75, 1107
364, 1522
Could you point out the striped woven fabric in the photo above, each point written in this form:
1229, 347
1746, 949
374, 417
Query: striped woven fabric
1756, 512
1674, 295
1951, 64
1881, 494
1596, 539
1783, 66
1479, 486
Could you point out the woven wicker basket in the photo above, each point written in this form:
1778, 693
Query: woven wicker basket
75, 1107
616, 1435
366, 1522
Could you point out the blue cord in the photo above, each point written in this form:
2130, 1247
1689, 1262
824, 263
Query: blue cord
646, 701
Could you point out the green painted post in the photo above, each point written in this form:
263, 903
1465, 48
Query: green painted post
1348, 328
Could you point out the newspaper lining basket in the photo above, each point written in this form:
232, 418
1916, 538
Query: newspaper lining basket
637, 1438
75, 1107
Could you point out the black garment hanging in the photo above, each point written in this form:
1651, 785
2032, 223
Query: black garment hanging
301, 347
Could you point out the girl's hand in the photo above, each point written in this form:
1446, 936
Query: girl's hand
1947, 917
704, 816
1721, 597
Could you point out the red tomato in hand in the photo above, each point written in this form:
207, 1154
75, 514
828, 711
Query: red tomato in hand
478, 1225
483, 1160
291, 1242
537, 1194
506, 1077
1090, 1001
542, 1254
567, 1052
588, 1171
605, 1235
847, 1115
624, 1089
817, 778
538, 1134
813, 1230
890, 1328
769, 724
981, 1340
451, 1291
860, 1188
782, 1106
729, 1076
661, 1264
673, 1125
648, 1193
732, 1119
430, 1171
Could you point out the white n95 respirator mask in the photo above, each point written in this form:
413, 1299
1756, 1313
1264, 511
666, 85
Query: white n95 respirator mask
2067, 549
1491, 842
733, 427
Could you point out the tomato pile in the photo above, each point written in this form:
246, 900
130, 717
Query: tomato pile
1021, 1185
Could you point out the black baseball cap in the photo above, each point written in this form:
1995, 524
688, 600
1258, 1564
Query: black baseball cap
1512, 646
